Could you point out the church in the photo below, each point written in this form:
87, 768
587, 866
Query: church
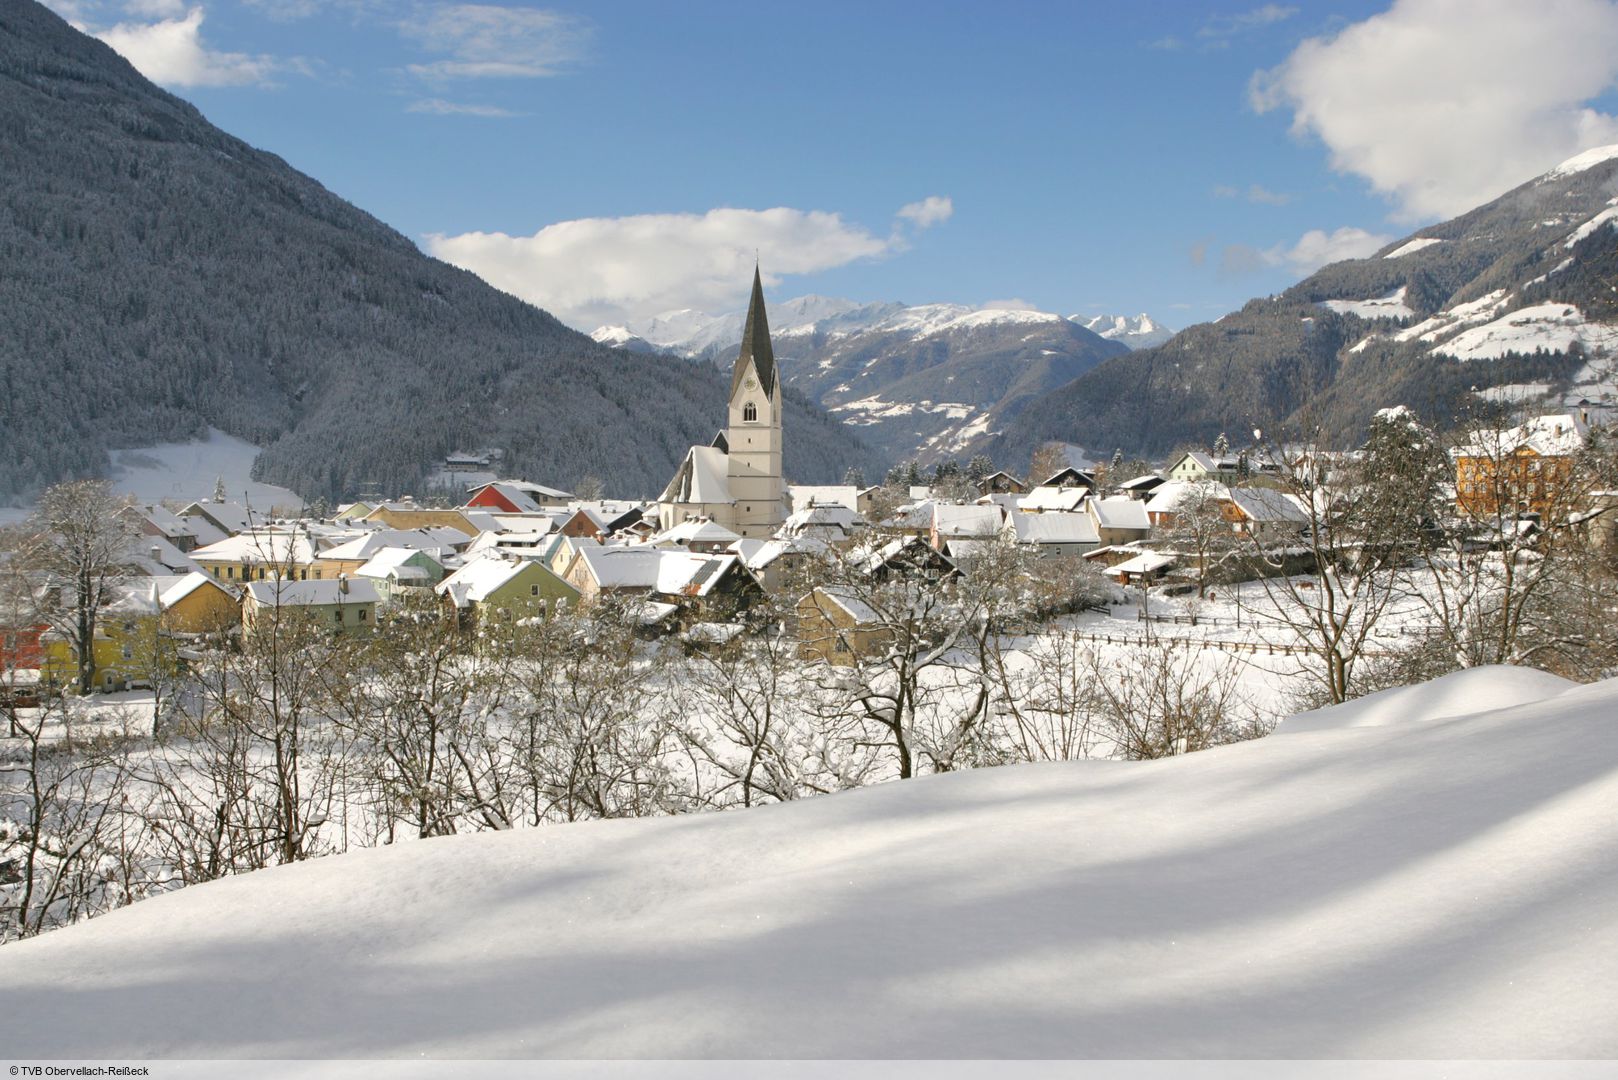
736, 480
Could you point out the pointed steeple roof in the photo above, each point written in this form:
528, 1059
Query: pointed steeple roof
756, 343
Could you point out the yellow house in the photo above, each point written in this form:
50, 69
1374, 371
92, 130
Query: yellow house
411, 516
261, 555
836, 627
136, 634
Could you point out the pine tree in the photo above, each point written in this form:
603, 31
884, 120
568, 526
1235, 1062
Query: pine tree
1221, 447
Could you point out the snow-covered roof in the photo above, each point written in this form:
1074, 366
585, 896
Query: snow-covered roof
1168, 496
844, 598
270, 547
821, 517
622, 567
697, 531
1268, 505
364, 547
1552, 435
1148, 481
703, 477
1054, 528
394, 562
229, 516
178, 588
1145, 563
285, 593
804, 495
473, 583
1046, 497
1119, 512
687, 573
155, 557
972, 520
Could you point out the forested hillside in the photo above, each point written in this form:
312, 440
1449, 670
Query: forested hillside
1521, 293
158, 276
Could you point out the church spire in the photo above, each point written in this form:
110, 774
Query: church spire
756, 343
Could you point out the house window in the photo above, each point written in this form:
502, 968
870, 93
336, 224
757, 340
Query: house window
363, 614
339, 614
533, 590
750, 413
230, 572
129, 653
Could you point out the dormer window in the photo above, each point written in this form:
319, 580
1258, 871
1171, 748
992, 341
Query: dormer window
750, 413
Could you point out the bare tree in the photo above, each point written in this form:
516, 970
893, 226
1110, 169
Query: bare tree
79, 545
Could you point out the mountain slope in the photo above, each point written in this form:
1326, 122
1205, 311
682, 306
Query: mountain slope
918, 381
1518, 293
1421, 874
158, 276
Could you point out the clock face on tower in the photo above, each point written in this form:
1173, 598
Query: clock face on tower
751, 383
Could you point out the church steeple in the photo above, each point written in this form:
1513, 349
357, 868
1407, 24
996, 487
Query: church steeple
756, 344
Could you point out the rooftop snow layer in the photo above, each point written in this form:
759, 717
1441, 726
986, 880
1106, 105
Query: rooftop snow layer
1425, 888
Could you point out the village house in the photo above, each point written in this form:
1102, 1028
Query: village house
696, 534
1118, 520
1053, 498
344, 605
346, 558
836, 627
1525, 469
511, 588
394, 571
516, 497
131, 630
1054, 534
1002, 483
259, 555
975, 522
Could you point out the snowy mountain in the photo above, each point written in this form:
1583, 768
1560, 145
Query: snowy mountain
1513, 300
1137, 331
1425, 873
920, 381
621, 337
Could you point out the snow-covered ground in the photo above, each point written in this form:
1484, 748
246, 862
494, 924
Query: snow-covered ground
188, 471
1391, 306
1553, 327
1441, 883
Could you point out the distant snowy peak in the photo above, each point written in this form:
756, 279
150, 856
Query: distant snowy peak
1136, 331
1580, 162
621, 337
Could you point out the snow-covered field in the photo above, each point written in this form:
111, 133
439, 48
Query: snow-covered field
1430, 872
188, 471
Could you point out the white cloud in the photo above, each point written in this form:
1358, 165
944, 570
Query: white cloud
1443, 105
929, 211
597, 271
1317, 247
488, 41
439, 107
173, 53
1312, 250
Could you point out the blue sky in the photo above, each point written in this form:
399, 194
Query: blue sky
609, 161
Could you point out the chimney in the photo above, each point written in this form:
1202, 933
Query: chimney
342, 584
156, 553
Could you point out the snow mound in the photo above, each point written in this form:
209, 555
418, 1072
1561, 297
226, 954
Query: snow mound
1470, 691
1407, 891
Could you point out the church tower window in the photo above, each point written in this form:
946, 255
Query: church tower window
750, 413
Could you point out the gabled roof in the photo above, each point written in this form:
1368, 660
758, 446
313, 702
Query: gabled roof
1046, 497
621, 567
1144, 563
477, 580
1169, 496
1058, 528
282, 593
1268, 505
973, 520
703, 477
364, 547
395, 561
1119, 513
1148, 482
697, 531
179, 588
266, 546
755, 345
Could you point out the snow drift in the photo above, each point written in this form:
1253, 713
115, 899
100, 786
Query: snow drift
1430, 886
